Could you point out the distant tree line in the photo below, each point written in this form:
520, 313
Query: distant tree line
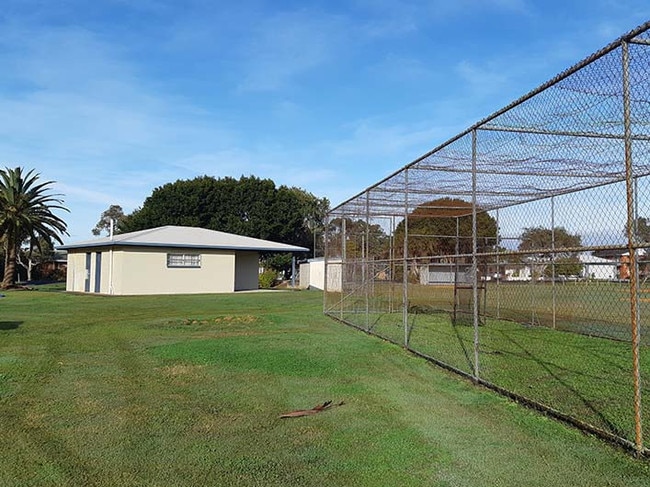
248, 206
441, 229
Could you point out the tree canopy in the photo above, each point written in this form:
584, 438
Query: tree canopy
247, 206
540, 238
113, 214
433, 226
543, 239
26, 215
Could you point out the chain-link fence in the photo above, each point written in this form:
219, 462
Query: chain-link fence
518, 252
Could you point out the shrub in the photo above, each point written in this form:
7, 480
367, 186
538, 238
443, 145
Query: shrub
267, 278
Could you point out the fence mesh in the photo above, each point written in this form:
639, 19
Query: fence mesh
518, 252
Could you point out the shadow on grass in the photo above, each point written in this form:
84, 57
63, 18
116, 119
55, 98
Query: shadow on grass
461, 341
549, 368
10, 325
455, 340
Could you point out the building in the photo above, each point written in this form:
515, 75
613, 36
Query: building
445, 274
312, 274
168, 260
53, 269
598, 268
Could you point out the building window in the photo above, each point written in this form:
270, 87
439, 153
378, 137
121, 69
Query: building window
183, 260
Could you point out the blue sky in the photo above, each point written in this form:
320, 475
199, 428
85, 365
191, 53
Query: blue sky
113, 98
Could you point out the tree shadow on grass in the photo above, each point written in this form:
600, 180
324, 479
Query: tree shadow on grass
466, 362
10, 325
461, 341
554, 372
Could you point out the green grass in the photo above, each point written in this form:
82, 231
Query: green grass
588, 378
588, 307
187, 390
581, 367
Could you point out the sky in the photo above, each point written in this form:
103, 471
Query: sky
114, 98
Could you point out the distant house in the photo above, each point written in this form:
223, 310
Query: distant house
598, 268
53, 268
168, 260
517, 273
445, 274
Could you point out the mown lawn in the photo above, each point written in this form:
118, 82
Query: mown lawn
188, 390
582, 367
588, 378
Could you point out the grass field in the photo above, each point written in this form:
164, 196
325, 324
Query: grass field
188, 390
589, 307
582, 368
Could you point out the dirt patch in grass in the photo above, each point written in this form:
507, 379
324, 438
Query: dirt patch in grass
87, 405
34, 419
199, 323
228, 334
227, 320
180, 370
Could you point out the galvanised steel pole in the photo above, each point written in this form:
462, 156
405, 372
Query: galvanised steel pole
456, 270
391, 260
498, 269
553, 259
344, 256
631, 245
475, 262
366, 262
405, 254
325, 258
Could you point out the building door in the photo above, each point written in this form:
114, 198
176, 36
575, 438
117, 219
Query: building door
87, 280
98, 271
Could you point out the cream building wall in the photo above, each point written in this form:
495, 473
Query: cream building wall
134, 270
75, 273
312, 275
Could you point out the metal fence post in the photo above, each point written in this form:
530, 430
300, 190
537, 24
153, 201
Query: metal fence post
498, 290
405, 279
391, 257
325, 259
367, 277
475, 262
632, 247
344, 245
554, 291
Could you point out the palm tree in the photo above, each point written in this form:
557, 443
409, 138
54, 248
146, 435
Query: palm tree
26, 206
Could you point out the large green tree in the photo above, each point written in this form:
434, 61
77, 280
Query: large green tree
27, 208
444, 227
247, 206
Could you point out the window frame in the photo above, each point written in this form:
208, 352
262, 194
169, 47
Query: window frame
183, 260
